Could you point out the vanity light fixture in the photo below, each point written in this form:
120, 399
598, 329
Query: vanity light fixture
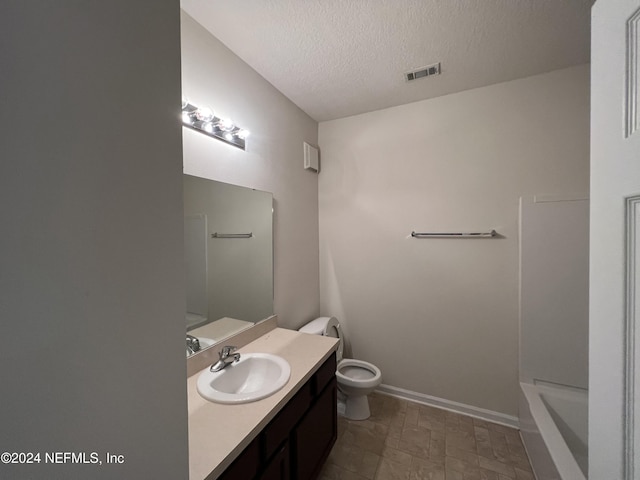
204, 120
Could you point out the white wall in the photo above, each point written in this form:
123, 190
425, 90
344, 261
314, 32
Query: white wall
212, 75
91, 269
440, 316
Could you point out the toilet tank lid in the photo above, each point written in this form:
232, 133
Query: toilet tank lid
317, 326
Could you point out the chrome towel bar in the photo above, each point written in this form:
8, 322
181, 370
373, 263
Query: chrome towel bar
232, 235
490, 234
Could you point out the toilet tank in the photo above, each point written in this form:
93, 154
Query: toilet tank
315, 327
327, 326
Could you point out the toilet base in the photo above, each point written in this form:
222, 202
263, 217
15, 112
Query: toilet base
357, 407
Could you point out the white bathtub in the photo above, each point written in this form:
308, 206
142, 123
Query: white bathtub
553, 424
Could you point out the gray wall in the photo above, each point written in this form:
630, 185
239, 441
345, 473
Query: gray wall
273, 161
91, 268
447, 308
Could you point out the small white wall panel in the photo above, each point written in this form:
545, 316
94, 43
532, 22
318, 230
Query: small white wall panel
311, 161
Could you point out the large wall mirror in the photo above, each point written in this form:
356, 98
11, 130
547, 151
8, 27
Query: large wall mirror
228, 236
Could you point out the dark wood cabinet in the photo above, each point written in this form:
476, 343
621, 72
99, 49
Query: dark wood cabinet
280, 428
246, 465
315, 434
295, 444
279, 467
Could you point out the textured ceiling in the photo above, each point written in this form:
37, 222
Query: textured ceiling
335, 58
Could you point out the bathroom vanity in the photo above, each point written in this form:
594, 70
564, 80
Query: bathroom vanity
285, 436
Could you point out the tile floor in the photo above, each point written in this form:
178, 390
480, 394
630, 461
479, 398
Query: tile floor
408, 441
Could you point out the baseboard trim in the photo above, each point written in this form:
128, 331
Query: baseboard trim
456, 407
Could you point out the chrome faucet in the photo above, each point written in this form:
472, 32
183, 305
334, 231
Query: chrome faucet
226, 358
193, 344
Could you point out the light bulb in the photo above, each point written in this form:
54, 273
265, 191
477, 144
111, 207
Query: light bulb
228, 136
186, 118
208, 127
226, 124
243, 133
204, 114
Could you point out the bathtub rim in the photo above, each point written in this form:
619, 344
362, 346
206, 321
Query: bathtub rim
563, 459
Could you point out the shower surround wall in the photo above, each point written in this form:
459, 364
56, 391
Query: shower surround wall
554, 334
554, 290
440, 316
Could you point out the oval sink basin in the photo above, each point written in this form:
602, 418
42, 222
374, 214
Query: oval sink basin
253, 377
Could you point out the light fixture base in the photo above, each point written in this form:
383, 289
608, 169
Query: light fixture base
213, 126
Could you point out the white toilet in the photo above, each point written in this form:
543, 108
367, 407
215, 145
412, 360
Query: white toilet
356, 378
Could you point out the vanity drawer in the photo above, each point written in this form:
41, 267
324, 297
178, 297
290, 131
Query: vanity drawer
324, 375
278, 430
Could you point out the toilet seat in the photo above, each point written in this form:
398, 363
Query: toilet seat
358, 374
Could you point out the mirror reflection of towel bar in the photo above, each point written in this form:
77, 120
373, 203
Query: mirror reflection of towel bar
232, 235
492, 233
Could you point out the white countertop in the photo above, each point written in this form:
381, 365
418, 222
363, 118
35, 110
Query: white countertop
218, 433
221, 328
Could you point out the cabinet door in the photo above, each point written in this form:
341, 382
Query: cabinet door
280, 427
279, 466
245, 466
315, 434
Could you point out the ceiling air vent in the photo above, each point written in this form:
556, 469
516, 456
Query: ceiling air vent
423, 72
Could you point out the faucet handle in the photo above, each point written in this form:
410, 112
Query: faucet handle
225, 358
193, 343
227, 350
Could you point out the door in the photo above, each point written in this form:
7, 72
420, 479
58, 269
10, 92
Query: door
614, 410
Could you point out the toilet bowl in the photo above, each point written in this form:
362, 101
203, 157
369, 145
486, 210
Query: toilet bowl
356, 378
